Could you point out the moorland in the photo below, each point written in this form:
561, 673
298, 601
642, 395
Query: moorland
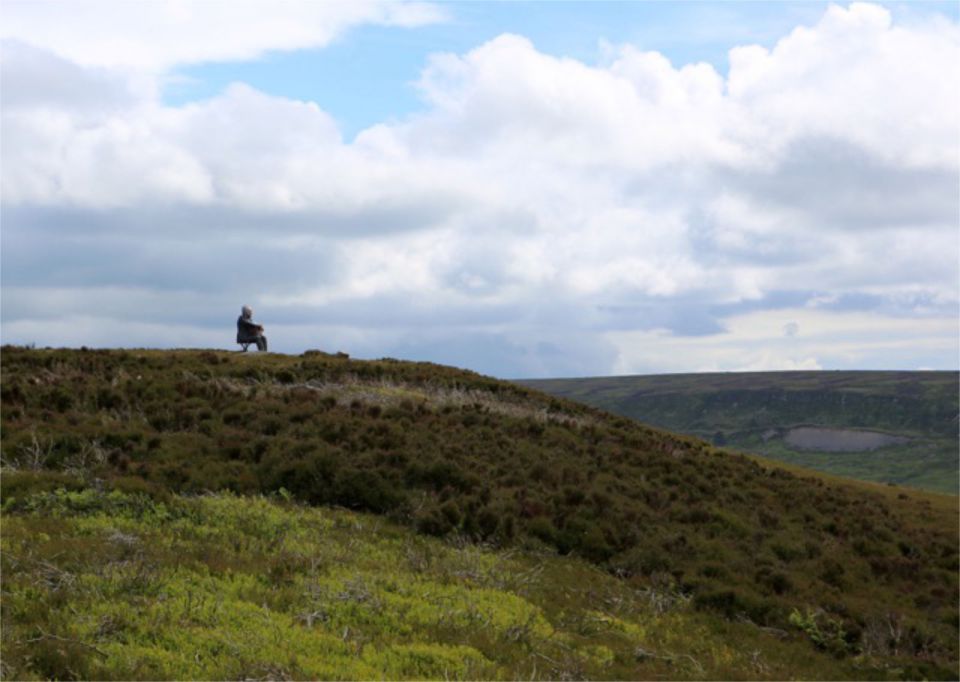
886, 426
206, 514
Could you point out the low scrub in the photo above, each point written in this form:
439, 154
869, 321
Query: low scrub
112, 585
453, 454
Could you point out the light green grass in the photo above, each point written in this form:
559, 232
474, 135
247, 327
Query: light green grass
115, 586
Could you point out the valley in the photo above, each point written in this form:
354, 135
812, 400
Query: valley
891, 427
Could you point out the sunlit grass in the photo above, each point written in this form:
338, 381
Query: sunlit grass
117, 586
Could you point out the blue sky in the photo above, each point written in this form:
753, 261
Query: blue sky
369, 74
524, 189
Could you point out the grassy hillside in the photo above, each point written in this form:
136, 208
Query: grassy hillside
102, 585
758, 411
855, 580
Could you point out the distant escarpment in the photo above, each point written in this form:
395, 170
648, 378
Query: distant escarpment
890, 427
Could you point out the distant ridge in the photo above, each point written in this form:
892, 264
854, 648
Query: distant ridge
915, 412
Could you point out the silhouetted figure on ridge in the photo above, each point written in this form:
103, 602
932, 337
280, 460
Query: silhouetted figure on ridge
249, 331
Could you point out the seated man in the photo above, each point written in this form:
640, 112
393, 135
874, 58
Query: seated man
249, 331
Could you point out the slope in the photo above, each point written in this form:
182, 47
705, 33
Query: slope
892, 427
451, 453
111, 585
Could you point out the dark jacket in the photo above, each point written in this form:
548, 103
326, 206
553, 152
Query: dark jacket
247, 330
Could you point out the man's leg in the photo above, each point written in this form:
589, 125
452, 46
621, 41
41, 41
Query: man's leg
261, 342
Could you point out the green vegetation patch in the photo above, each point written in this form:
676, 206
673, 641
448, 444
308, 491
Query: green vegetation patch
758, 412
138, 441
116, 586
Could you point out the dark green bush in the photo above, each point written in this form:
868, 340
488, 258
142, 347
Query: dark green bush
542, 528
367, 490
17, 486
733, 604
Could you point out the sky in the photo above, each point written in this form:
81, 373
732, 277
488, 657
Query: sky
538, 189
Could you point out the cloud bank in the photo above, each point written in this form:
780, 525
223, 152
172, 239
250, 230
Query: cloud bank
154, 35
539, 217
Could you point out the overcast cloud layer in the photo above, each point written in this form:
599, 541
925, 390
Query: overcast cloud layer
540, 217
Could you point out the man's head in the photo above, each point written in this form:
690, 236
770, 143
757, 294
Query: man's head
247, 311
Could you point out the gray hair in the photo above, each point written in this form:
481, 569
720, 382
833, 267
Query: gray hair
247, 311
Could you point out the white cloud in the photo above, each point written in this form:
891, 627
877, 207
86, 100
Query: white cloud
507, 97
157, 34
856, 77
756, 342
537, 202
768, 362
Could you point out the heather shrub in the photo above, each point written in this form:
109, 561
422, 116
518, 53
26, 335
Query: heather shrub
457, 455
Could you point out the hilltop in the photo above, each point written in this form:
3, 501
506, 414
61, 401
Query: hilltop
816, 569
890, 427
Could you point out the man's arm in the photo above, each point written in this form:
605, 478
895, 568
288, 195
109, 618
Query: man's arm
249, 326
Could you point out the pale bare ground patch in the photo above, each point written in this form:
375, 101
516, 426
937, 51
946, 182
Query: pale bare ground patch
828, 439
351, 389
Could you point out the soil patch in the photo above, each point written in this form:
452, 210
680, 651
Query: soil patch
839, 440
